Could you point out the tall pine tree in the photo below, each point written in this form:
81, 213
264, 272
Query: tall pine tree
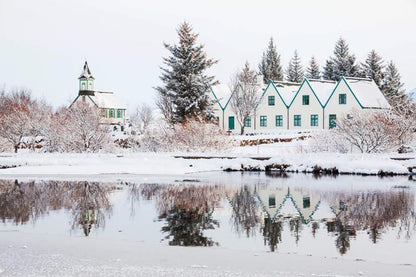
184, 93
342, 63
392, 87
269, 65
313, 71
373, 68
295, 72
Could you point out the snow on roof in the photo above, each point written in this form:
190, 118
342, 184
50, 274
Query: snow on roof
287, 91
223, 93
322, 89
367, 93
107, 100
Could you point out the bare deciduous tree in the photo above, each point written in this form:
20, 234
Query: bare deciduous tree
22, 116
245, 88
374, 131
142, 117
77, 129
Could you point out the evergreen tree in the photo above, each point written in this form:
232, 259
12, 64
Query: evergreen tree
328, 70
342, 63
269, 65
373, 68
392, 87
184, 93
295, 72
313, 71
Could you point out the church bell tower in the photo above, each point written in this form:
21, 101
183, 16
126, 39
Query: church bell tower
86, 81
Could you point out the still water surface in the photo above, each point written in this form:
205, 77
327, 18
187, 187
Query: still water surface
350, 217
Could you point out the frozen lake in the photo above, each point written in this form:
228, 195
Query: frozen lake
348, 217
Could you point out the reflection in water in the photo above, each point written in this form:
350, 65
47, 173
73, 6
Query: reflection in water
187, 211
245, 211
27, 201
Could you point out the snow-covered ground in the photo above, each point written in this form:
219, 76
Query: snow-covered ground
47, 255
167, 164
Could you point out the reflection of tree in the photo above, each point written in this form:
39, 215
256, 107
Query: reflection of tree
245, 211
24, 201
295, 224
343, 232
272, 233
21, 202
371, 211
187, 211
88, 202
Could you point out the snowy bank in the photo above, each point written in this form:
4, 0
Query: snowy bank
185, 163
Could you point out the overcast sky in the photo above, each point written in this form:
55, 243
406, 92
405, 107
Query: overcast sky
43, 43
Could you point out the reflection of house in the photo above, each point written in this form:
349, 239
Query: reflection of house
274, 199
112, 110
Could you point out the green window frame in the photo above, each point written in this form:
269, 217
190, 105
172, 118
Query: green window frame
332, 121
297, 120
247, 122
342, 99
119, 113
263, 121
112, 113
314, 120
279, 120
271, 100
305, 99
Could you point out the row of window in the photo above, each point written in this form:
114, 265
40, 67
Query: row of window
342, 99
297, 121
112, 113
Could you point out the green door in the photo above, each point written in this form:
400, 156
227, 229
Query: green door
231, 122
332, 119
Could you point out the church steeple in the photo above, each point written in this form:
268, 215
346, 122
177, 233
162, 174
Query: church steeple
86, 80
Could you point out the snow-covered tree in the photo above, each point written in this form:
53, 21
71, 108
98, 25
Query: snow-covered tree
295, 72
375, 131
77, 129
392, 87
245, 88
342, 63
373, 68
142, 117
185, 83
313, 71
269, 65
22, 116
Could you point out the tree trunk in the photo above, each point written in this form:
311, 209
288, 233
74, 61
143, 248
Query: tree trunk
242, 130
16, 146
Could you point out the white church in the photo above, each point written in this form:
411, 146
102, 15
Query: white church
113, 111
310, 105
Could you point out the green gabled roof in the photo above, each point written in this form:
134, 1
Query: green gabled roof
342, 79
218, 100
271, 83
305, 80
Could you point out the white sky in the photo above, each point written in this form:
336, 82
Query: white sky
43, 43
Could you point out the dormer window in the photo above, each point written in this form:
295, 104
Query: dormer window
82, 86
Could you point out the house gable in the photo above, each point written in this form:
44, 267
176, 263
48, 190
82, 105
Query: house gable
305, 110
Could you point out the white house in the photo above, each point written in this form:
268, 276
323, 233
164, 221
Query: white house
113, 111
310, 105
